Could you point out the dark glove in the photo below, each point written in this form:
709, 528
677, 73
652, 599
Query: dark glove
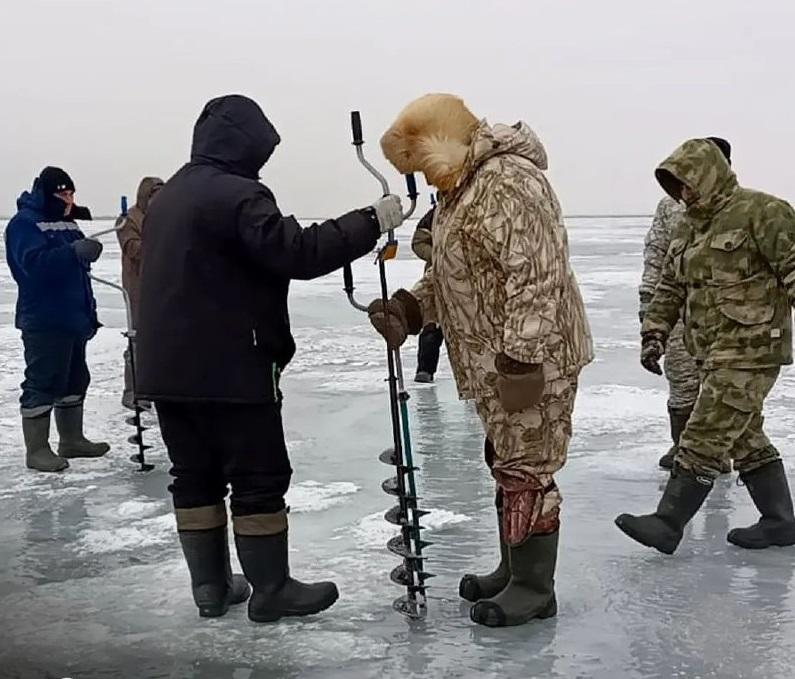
519, 385
651, 351
87, 250
404, 318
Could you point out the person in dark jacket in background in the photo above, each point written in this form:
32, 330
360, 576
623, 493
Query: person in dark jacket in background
130, 234
213, 339
50, 258
431, 337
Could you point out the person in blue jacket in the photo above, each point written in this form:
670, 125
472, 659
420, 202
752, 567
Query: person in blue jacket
50, 259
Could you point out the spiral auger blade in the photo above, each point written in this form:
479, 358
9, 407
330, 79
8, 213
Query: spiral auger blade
137, 439
408, 545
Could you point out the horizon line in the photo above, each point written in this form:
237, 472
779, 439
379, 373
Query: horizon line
584, 215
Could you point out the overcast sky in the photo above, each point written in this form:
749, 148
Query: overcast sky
110, 89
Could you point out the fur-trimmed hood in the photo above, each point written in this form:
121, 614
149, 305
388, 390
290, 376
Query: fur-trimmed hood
440, 137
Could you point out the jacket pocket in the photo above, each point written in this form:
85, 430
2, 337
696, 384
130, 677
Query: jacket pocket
730, 256
747, 302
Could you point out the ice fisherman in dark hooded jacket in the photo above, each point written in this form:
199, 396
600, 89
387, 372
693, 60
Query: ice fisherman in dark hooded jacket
50, 258
214, 337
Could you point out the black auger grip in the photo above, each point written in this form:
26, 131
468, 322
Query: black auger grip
411, 185
347, 277
356, 128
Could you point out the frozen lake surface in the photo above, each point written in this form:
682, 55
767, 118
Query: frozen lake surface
92, 584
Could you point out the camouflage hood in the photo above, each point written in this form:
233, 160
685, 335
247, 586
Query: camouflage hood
488, 142
699, 165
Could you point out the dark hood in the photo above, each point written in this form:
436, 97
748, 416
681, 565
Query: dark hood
232, 132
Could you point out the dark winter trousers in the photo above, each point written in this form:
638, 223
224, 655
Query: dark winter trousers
431, 340
216, 445
56, 373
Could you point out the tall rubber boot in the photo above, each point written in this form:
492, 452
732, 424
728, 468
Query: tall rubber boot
476, 587
770, 492
683, 496
530, 592
678, 418
214, 586
277, 595
38, 454
69, 421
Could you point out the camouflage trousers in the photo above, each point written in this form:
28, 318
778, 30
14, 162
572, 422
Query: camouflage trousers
680, 371
727, 422
529, 447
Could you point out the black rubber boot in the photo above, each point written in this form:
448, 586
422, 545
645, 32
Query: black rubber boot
38, 454
476, 587
683, 496
678, 418
276, 594
530, 592
770, 492
214, 586
72, 443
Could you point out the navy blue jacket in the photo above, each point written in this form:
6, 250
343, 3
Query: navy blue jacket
54, 288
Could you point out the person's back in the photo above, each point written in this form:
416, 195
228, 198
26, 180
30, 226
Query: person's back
204, 289
216, 268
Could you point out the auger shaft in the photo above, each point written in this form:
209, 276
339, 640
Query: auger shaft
406, 514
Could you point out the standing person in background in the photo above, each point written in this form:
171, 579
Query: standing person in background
50, 260
130, 231
731, 276
431, 337
679, 366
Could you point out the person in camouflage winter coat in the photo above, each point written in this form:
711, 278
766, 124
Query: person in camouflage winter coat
130, 232
501, 287
731, 275
679, 366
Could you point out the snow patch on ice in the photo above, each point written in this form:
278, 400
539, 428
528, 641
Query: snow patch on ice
373, 531
143, 533
618, 409
132, 509
312, 496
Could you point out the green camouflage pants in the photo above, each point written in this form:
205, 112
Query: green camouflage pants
680, 371
727, 421
529, 448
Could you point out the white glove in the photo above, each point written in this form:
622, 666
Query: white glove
388, 212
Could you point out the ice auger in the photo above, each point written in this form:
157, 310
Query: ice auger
406, 514
137, 439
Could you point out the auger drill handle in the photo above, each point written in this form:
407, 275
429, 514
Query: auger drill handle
358, 142
411, 186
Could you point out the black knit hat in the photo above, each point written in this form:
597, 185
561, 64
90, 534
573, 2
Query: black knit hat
54, 179
724, 146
